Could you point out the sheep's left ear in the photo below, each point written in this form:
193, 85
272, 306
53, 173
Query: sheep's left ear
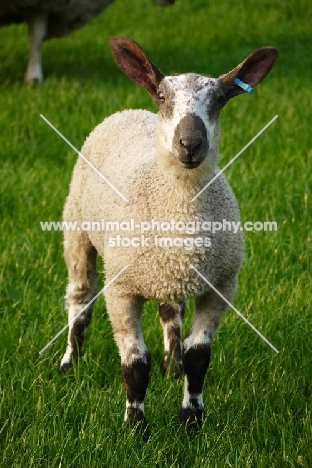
251, 71
135, 64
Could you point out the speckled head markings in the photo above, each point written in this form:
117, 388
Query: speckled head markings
188, 111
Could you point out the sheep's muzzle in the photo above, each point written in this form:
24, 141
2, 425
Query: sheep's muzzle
190, 141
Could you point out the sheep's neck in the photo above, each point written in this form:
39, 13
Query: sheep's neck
164, 195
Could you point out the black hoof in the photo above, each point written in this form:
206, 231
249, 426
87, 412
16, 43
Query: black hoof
165, 2
191, 419
66, 367
139, 426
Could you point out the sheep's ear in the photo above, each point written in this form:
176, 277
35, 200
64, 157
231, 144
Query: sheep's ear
251, 71
134, 63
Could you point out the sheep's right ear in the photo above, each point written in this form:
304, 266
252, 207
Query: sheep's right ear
134, 63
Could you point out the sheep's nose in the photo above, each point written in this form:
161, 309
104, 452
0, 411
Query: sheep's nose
192, 146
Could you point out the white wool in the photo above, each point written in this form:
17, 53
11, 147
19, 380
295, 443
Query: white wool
123, 149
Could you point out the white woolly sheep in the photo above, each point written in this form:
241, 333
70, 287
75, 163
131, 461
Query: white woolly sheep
159, 163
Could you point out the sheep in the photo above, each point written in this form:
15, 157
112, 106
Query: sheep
48, 19
158, 163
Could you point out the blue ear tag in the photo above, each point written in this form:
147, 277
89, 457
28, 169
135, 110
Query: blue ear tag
243, 85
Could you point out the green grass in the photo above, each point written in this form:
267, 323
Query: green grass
258, 404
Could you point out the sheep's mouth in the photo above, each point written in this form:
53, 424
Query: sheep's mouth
191, 165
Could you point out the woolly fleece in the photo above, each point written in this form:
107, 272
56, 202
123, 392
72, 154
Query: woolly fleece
123, 149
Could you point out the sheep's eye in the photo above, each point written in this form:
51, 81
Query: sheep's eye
161, 97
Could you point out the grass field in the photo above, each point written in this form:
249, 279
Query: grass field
258, 404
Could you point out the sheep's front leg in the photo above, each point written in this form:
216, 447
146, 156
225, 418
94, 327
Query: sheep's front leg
196, 354
171, 316
37, 29
125, 313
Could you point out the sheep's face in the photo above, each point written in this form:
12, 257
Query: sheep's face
189, 104
189, 107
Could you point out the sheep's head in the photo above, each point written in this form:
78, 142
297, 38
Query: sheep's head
189, 104
189, 107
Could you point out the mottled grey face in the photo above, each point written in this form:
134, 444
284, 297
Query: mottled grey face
189, 109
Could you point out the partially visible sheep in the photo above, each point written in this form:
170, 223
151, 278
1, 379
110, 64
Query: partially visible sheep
159, 163
47, 19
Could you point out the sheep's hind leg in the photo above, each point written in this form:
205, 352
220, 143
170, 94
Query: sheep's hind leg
171, 316
196, 355
80, 258
125, 313
37, 29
